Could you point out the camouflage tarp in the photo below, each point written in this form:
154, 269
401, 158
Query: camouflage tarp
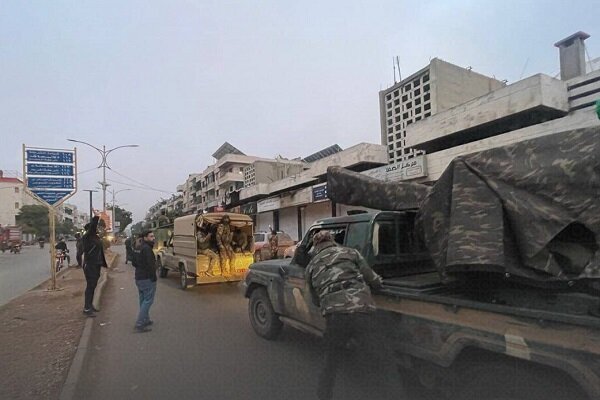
530, 210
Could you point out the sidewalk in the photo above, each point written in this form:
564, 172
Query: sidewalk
39, 333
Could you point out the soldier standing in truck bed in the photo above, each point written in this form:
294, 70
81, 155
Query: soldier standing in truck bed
273, 244
204, 238
224, 238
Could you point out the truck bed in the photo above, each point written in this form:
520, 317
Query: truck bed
542, 305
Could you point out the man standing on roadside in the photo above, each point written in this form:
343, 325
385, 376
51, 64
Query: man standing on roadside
339, 280
93, 259
145, 278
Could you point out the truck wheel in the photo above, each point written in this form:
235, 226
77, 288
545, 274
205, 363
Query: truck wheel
183, 277
516, 381
262, 316
162, 271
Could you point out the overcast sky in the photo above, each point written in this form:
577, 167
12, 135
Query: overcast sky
271, 77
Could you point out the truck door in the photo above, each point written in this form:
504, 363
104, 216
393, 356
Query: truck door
297, 295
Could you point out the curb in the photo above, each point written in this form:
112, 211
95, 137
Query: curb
68, 390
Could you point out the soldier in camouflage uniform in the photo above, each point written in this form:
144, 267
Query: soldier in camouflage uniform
240, 241
204, 238
339, 280
224, 239
273, 244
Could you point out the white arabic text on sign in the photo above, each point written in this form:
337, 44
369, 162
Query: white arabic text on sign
270, 204
410, 169
49, 174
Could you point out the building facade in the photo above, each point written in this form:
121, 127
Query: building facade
12, 198
435, 88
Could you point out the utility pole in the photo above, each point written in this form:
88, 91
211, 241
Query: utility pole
104, 164
91, 208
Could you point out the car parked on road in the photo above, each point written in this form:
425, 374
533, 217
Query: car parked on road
262, 247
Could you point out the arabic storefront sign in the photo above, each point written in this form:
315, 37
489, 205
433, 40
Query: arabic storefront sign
270, 204
248, 209
409, 169
319, 193
50, 174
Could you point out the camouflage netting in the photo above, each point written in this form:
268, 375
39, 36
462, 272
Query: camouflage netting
530, 210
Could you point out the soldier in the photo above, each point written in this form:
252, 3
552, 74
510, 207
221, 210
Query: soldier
339, 280
240, 241
224, 238
163, 219
273, 244
204, 238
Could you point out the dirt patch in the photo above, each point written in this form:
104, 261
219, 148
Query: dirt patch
39, 334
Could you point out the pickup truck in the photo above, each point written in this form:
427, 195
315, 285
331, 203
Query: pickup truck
487, 341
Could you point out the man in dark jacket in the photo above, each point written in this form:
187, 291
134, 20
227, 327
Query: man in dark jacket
145, 278
93, 259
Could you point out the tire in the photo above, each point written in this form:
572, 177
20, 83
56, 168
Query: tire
162, 271
183, 278
512, 380
262, 316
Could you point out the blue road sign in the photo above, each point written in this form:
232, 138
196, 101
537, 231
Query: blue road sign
50, 156
50, 183
319, 193
51, 196
50, 169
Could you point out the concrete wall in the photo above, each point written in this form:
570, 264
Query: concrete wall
534, 92
453, 85
437, 162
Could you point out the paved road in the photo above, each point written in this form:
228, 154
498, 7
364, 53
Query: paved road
201, 347
24, 271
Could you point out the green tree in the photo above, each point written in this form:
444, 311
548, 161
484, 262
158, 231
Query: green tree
123, 216
34, 219
66, 228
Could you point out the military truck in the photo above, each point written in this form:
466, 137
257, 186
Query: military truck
182, 253
491, 274
463, 342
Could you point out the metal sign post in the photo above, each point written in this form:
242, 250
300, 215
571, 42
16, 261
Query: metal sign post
50, 176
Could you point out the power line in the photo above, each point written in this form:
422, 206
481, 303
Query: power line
141, 183
138, 186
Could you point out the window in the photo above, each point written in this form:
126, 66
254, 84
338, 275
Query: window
397, 119
390, 130
17, 205
390, 121
426, 78
357, 233
397, 110
17, 189
418, 119
416, 82
388, 97
407, 87
389, 105
426, 97
384, 238
418, 110
417, 102
427, 106
417, 92
409, 105
427, 114
396, 93
389, 113
391, 146
426, 88
396, 102
405, 115
405, 98
398, 127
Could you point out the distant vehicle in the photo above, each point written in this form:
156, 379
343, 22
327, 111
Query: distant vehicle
10, 236
262, 248
180, 251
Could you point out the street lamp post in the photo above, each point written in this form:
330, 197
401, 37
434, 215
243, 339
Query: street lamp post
91, 208
104, 164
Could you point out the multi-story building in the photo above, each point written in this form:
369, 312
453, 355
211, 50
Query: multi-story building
292, 204
532, 107
12, 198
435, 88
220, 183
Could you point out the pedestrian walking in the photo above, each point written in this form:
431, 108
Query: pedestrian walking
144, 262
339, 280
78, 249
93, 260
